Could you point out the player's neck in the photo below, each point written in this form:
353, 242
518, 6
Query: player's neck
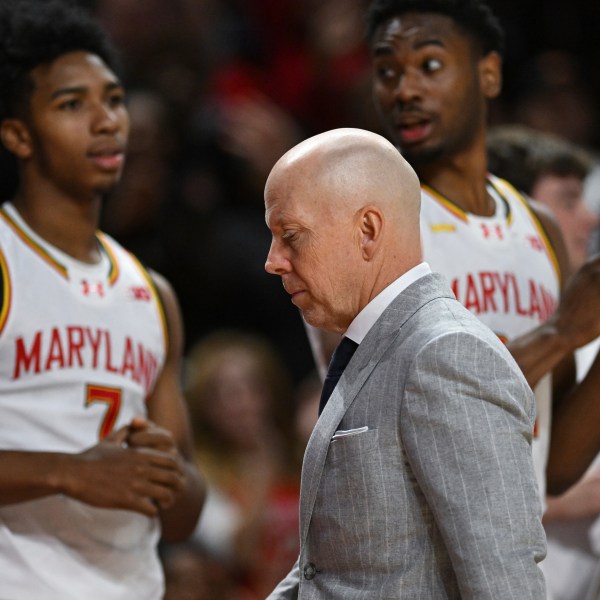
69, 225
462, 179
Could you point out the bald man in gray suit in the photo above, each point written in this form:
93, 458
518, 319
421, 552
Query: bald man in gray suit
417, 481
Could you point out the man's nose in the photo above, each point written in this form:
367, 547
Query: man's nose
408, 87
276, 263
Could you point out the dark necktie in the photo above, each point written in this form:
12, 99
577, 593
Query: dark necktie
341, 357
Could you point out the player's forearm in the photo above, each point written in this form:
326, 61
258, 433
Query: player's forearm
539, 351
575, 436
30, 475
179, 520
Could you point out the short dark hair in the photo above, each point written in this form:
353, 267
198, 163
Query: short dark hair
473, 16
523, 155
34, 33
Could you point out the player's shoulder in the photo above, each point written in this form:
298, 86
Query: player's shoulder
546, 220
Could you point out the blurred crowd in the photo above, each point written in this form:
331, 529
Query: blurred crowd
217, 91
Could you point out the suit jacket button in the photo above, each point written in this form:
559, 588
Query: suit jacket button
310, 571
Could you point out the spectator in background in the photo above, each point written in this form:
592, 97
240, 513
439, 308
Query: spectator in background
239, 395
552, 171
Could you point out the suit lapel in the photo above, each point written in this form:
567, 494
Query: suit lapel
381, 336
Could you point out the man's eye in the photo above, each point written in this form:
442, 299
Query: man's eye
117, 100
73, 104
386, 72
432, 64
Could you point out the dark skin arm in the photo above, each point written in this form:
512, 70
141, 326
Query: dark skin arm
144, 466
169, 429
107, 475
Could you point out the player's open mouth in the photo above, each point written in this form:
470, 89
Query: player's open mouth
411, 131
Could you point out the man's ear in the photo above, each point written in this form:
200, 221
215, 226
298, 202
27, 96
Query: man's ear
16, 138
371, 226
490, 75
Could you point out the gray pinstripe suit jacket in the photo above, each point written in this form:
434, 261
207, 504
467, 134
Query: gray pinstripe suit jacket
431, 493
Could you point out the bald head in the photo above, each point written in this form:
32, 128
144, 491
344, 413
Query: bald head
353, 167
344, 203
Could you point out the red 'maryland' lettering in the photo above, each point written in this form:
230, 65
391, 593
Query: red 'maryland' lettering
486, 292
82, 347
22, 359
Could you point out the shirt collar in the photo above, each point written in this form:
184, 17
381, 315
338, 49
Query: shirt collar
366, 318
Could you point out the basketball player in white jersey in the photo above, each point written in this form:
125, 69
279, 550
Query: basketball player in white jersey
94, 438
436, 64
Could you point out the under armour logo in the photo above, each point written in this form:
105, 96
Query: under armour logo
140, 293
488, 231
536, 242
92, 288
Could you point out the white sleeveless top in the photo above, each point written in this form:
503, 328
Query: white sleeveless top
81, 347
503, 269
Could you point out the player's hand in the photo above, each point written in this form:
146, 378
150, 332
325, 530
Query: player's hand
146, 434
577, 318
117, 473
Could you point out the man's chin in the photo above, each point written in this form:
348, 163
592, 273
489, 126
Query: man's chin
313, 318
421, 155
320, 322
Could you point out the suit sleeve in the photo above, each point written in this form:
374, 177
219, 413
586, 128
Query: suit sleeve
288, 587
466, 424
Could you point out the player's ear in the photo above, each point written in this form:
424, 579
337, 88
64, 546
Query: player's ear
371, 225
490, 74
16, 138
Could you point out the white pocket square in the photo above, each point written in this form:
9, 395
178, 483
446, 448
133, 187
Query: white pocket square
342, 433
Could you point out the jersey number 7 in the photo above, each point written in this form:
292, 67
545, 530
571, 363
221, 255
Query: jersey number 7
112, 398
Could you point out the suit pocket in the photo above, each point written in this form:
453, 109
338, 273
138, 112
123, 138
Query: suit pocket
342, 433
353, 446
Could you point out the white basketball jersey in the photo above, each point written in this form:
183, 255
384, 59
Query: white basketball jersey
81, 347
503, 269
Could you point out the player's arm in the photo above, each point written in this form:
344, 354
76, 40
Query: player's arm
543, 349
575, 437
107, 475
169, 429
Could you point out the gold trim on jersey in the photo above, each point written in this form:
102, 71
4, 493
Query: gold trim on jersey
443, 227
493, 181
61, 269
460, 213
536, 223
157, 299
113, 272
6, 291
447, 204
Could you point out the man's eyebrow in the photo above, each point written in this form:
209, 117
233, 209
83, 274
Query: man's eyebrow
429, 42
81, 89
76, 89
382, 51
387, 49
